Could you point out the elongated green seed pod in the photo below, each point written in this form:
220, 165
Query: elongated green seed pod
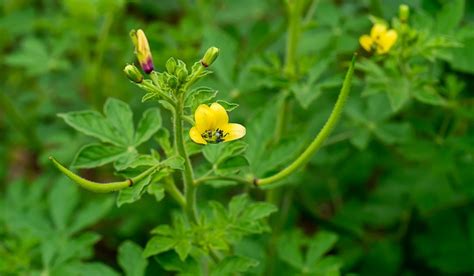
100, 187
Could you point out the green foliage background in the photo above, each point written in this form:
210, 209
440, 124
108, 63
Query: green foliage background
391, 193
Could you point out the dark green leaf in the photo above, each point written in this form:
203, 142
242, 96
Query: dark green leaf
91, 213
120, 116
234, 264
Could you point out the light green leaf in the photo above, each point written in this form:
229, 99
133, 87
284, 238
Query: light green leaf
174, 162
450, 16
227, 106
200, 95
158, 245
232, 164
92, 123
130, 259
133, 193
183, 247
157, 190
149, 124
234, 264
120, 116
258, 211
96, 155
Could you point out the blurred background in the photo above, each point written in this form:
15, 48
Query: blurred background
395, 184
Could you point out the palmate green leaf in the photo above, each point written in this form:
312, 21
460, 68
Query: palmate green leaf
133, 193
80, 247
216, 153
232, 165
450, 16
149, 124
92, 123
96, 155
120, 116
130, 259
157, 190
288, 248
234, 264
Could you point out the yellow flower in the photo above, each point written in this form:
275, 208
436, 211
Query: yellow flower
380, 39
212, 125
142, 50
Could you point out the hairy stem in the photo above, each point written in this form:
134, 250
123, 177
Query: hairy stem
187, 173
322, 135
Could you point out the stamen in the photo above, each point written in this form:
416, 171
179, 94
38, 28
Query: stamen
214, 136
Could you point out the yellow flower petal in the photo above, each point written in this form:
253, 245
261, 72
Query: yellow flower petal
366, 42
234, 131
220, 115
196, 136
204, 118
387, 41
378, 30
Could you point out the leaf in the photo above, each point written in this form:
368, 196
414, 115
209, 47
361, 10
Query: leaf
398, 93
318, 246
174, 162
288, 248
149, 124
91, 213
96, 155
237, 204
133, 193
120, 116
157, 245
227, 106
234, 264
163, 139
201, 95
157, 190
429, 95
92, 123
232, 164
183, 247
450, 16
171, 262
130, 259
216, 153
62, 199
258, 211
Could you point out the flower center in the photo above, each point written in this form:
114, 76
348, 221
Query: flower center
214, 136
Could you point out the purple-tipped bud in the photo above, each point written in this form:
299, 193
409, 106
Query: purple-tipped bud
142, 50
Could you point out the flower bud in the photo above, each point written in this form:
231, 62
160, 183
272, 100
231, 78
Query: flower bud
142, 50
210, 56
403, 13
171, 65
182, 74
133, 73
172, 82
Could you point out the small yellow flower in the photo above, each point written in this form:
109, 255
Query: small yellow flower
142, 50
212, 125
380, 39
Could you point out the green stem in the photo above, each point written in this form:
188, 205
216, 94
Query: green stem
194, 77
101, 187
322, 135
174, 192
293, 33
187, 173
